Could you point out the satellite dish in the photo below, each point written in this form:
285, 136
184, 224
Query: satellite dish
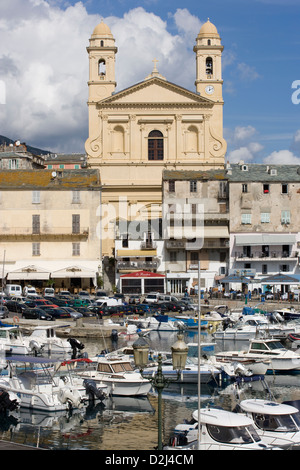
53, 174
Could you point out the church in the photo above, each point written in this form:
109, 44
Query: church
138, 133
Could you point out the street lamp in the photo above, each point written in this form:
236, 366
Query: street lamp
159, 381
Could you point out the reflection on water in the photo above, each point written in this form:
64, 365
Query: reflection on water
131, 423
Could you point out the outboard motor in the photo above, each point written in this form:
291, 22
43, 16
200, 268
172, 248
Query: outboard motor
35, 347
114, 338
6, 404
92, 390
76, 346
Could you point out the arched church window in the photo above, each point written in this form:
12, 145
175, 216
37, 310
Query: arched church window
209, 66
155, 145
101, 43
101, 67
208, 42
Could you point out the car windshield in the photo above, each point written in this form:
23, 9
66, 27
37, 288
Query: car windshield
277, 422
233, 435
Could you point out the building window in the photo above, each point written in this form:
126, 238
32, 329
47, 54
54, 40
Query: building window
265, 217
264, 269
244, 188
76, 249
193, 186
284, 188
171, 186
155, 145
125, 241
36, 197
75, 223
173, 256
13, 164
75, 197
246, 218
194, 257
284, 268
36, 249
35, 224
285, 217
266, 188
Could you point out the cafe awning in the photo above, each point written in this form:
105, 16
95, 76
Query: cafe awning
281, 279
29, 273
73, 271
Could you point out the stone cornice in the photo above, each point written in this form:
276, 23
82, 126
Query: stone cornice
199, 100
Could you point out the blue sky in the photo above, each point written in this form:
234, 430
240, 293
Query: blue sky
44, 66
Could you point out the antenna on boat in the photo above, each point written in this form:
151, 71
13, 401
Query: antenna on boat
199, 352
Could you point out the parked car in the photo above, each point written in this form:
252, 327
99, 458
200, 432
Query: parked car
4, 311
84, 293
15, 306
36, 314
58, 302
56, 312
86, 311
74, 313
43, 302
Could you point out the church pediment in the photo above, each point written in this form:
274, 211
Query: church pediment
156, 91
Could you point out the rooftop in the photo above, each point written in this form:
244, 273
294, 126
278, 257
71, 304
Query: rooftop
49, 179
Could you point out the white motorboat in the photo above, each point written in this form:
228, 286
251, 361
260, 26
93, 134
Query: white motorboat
43, 339
219, 430
118, 375
208, 372
253, 326
278, 424
162, 323
12, 341
281, 359
231, 368
49, 391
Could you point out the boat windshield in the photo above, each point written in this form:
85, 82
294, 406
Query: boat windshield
277, 422
121, 367
233, 435
266, 346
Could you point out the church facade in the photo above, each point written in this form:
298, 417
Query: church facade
138, 133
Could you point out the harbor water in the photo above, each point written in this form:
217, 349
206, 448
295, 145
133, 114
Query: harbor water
125, 423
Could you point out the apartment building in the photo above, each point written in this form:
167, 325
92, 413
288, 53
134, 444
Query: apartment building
49, 227
264, 219
195, 228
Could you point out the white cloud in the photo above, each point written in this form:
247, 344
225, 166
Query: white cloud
44, 64
243, 132
246, 72
242, 153
282, 157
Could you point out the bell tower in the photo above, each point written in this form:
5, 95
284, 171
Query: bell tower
208, 50
102, 51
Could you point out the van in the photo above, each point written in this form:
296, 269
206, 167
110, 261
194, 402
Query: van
109, 302
168, 298
152, 297
13, 289
49, 292
29, 291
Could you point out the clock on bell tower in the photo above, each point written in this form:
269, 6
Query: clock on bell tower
208, 50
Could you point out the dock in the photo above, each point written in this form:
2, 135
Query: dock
8, 445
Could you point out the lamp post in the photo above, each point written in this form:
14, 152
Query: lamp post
159, 381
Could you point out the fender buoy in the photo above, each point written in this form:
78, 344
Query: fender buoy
16, 319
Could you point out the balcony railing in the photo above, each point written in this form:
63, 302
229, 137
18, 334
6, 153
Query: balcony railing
267, 256
124, 265
27, 234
